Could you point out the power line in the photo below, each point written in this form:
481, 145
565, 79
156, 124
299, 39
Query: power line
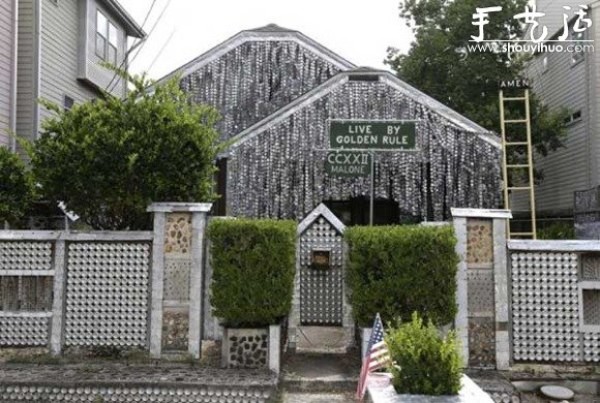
162, 49
152, 29
133, 46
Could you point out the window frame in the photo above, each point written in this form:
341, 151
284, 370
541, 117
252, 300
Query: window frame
106, 39
545, 64
101, 34
577, 57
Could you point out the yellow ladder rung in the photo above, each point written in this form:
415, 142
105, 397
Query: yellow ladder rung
529, 165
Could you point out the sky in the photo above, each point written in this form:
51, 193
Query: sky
358, 30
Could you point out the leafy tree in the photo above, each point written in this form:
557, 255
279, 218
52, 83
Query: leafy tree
108, 159
16, 188
439, 63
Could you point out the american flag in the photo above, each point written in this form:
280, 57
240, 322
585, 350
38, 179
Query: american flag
377, 356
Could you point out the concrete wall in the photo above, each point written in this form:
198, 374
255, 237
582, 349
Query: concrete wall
524, 300
124, 289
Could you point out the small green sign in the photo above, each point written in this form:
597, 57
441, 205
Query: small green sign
348, 163
373, 135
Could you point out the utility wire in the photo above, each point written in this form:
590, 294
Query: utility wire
142, 43
133, 46
162, 49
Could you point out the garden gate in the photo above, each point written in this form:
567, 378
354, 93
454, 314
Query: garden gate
321, 319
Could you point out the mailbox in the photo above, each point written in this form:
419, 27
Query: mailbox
321, 259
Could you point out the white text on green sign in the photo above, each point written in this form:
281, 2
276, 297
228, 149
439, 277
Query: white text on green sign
386, 135
348, 163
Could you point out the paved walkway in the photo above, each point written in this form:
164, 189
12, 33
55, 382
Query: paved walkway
319, 378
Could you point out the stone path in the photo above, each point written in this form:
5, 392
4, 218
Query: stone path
319, 378
318, 397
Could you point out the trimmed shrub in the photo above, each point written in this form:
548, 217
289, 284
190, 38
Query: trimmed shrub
16, 188
397, 270
424, 363
108, 160
557, 230
253, 265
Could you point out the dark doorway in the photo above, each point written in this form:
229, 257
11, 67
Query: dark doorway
220, 205
356, 211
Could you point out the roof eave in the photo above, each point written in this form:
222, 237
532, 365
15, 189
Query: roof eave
131, 26
248, 35
444, 111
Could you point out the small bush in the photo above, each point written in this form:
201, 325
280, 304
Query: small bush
424, 363
557, 230
253, 265
16, 188
397, 270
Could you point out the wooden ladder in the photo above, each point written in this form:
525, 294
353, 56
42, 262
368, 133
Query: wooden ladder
507, 143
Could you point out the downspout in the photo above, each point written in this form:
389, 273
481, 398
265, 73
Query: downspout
37, 62
15, 53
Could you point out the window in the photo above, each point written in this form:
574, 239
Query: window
545, 64
113, 35
107, 39
101, 35
577, 38
68, 103
573, 118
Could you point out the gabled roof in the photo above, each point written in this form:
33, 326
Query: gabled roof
131, 27
385, 77
320, 210
269, 32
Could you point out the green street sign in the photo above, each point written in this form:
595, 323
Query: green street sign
372, 135
348, 163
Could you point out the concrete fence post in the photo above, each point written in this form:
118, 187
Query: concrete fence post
177, 272
482, 286
57, 323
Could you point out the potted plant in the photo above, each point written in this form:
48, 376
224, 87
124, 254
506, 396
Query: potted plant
253, 264
424, 364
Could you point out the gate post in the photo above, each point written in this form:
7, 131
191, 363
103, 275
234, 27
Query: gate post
177, 267
482, 287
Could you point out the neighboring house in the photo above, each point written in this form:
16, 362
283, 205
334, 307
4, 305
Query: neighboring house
55, 52
570, 80
277, 90
8, 69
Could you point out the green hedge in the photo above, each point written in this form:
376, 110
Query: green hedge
397, 270
253, 265
16, 188
423, 362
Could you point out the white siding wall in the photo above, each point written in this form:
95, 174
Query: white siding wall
26, 74
60, 37
554, 13
90, 65
7, 31
595, 94
571, 168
